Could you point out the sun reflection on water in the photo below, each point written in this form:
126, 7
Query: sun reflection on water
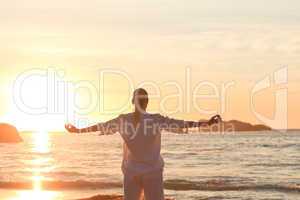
41, 146
41, 142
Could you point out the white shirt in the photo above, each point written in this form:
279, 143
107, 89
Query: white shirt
142, 144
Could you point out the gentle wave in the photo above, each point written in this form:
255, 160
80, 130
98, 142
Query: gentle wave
221, 185
179, 185
64, 173
272, 165
58, 185
278, 146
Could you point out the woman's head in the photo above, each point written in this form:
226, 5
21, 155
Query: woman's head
140, 99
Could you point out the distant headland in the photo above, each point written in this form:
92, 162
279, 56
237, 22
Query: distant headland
226, 126
239, 126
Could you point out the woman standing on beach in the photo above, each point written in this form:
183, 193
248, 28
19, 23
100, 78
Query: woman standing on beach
141, 131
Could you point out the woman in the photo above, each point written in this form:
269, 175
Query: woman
141, 131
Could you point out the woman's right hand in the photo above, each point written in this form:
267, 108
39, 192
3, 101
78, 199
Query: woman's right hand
72, 129
214, 120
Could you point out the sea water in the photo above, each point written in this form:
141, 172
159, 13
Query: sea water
248, 165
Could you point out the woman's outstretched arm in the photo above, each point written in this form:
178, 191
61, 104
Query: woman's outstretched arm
108, 127
170, 123
72, 129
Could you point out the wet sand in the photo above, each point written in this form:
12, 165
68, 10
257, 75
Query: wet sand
108, 197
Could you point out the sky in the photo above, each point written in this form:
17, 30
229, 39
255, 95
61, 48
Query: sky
159, 42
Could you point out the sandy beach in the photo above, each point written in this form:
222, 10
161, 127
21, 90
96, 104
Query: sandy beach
107, 197
104, 197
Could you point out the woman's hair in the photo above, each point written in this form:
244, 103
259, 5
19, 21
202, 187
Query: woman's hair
141, 92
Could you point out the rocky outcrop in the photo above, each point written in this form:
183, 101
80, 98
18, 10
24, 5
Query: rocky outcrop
9, 134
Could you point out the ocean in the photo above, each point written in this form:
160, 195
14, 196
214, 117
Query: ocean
249, 165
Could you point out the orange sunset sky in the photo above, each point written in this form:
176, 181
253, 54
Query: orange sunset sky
157, 41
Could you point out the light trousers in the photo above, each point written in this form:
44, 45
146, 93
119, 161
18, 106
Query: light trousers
151, 184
